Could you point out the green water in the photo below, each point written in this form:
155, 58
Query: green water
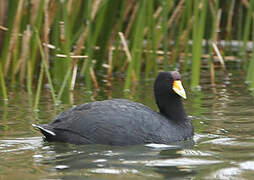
223, 147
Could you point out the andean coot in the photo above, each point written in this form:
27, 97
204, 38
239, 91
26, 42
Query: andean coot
123, 122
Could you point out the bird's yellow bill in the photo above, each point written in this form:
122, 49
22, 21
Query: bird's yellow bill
178, 88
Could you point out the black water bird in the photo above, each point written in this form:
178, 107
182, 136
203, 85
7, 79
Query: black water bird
124, 122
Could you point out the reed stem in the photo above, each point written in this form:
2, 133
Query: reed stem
4, 90
197, 35
45, 65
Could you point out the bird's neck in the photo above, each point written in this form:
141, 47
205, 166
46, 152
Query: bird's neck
172, 108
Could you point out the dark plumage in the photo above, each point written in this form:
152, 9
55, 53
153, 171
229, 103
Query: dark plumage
123, 122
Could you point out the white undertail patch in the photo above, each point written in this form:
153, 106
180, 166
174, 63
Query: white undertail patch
46, 130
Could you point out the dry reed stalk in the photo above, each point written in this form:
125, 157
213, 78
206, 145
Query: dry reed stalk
96, 86
3, 7
217, 26
46, 29
245, 3
176, 19
110, 63
155, 16
187, 30
95, 7
14, 36
69, 6
215, 39
3, 28
81, 41
157, 12
74, 67
35, 4
52, 11
128, 9
219, 56
126, 50
74, 76
115, 28
125, 47
131, 21
50, 46
21, 65
211, 5
177, 12
71, 56
62, 32
71, 97
212, 68
133, 76
82, 38
230, 17
212, 73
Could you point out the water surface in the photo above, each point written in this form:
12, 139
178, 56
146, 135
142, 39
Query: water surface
222, 148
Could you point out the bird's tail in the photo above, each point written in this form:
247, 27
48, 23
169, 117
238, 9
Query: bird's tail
44, 130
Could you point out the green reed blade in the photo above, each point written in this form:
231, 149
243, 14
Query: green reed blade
62, 39
179, 30
63, 67
57, 64
213, 35
165, 5
37, 25
29, 78
15, 54
195, 46
87, 64
110, 15
246, 31
239, 35
120, 24
64, 83
11, 16
75, 20
45, 65
137, 45
229, 27
4, 90
39, 86
197, 35
150, 58
250, 73
186, 38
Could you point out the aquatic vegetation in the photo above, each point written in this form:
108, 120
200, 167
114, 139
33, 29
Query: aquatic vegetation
57, 42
